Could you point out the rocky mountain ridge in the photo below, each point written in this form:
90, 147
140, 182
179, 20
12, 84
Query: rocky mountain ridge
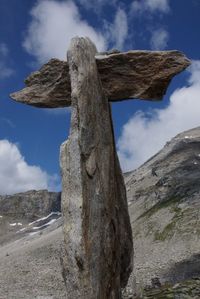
164, 206
30, 204
19, 213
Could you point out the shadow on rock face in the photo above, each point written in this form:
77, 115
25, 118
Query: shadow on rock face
184, 270
56, 204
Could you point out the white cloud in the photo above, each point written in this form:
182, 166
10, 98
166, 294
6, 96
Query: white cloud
151, 6
5, 70
159, 39
195, 73
159, 5
16, 175
146, 133
117, 32
53, 25
120, 28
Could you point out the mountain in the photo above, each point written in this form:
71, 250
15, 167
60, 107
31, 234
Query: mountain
164, 206
31, 204
18, 210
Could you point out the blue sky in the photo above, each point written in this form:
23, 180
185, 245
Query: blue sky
32, 32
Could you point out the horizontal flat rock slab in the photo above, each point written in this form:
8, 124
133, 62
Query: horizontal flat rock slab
50, 87
130, 75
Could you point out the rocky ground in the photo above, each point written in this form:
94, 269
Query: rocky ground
30, 268
30, 245
164, 207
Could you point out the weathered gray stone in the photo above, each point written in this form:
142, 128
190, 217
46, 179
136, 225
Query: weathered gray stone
98, 240
134, 74
48, 87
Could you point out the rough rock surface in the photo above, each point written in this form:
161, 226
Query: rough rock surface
98, 247
30, 267
134, 74
164, 206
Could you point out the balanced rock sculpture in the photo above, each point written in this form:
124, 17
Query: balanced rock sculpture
98, 249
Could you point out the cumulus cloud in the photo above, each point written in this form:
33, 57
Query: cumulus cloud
120, 28
117, 32
15, 173
5, 70
53, 25
151, 6
159, 5
159, 39
146, 133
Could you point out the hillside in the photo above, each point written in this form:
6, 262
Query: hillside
164, 206
30, 243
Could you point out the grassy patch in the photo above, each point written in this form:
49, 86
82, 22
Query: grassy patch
170, 202
185, 290
169, 229
166, 233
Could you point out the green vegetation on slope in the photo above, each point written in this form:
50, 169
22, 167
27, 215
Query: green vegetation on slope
189, 289
170, 202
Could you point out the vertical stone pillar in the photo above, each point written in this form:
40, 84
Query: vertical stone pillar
97, 232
